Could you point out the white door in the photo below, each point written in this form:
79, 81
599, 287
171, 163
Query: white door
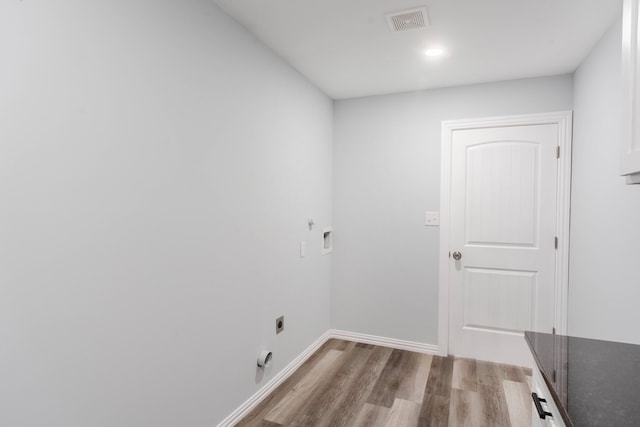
503, 226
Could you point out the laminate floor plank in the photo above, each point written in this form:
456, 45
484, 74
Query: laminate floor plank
325, 399
513, 373
355, 396
494, 406
368, 346
394, 378
489, 375
297, 397
414, 380
404, 413
464, 375
434, 411
465, 409
518, 397
371, 416
347, 384
440, 374
341, 345
265, 423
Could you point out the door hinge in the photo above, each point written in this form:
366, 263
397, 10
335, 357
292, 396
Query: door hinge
553, 377
558, 152
553, 331
449, 254
556, 243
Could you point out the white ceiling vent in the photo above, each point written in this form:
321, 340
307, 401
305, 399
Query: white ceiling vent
409, 19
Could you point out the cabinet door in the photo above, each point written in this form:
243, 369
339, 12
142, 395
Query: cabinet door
539, 387
535, 419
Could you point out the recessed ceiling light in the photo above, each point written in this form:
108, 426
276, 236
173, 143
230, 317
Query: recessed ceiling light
436, 51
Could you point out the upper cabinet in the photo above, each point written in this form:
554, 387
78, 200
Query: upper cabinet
630, 149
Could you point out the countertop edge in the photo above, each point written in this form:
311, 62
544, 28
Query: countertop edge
552, 390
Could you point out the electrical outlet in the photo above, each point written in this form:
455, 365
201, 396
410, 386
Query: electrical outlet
279, 324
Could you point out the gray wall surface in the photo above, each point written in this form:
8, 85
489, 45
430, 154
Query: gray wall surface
386, 175
605, 225
157, 168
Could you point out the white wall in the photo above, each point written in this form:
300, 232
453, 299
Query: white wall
157, 167
605, 225
386, 175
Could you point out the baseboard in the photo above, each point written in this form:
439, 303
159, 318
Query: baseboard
384, 341
254, 400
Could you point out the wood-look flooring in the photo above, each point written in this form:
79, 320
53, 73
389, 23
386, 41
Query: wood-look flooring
349, 384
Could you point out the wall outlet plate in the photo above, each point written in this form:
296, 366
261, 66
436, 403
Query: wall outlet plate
303, 249
279, 324
432, 218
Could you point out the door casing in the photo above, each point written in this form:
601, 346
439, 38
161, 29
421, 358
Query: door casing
564, 121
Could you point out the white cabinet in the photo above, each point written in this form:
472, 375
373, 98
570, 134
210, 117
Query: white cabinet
539, 387
630, 148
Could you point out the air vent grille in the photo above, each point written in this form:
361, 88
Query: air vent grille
410, 19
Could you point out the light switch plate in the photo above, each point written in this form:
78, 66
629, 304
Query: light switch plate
432, 218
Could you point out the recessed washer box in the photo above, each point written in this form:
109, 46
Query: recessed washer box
327, 240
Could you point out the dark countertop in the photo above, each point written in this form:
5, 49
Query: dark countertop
594, 383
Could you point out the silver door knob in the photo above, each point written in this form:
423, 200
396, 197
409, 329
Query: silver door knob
457, 255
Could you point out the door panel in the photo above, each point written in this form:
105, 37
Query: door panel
502, 179
503, 222
499, 300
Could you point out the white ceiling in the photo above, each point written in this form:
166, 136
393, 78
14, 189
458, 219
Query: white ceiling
346, 48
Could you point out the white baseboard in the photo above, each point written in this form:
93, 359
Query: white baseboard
385, 342
244, 409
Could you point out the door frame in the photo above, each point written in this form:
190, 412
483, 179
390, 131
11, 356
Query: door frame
564, 121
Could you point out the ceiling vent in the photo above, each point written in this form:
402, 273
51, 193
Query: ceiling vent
409, 19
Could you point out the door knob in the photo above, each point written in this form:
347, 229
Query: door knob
457, 256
